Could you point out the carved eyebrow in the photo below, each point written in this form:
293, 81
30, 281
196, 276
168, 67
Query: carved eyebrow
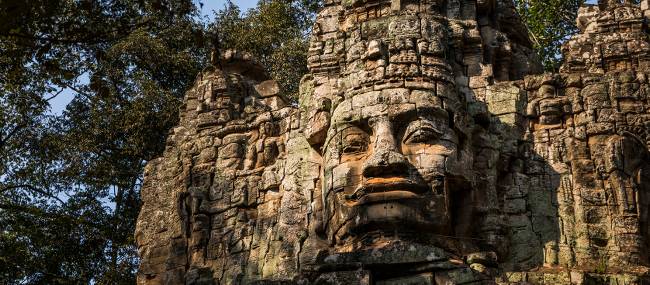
422, 123
432, 113
426, 122
428, 131
404, 116
343, 112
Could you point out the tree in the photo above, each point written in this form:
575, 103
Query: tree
276, 32
69, 184
549, 23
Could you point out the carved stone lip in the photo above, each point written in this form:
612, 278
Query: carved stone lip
378, 190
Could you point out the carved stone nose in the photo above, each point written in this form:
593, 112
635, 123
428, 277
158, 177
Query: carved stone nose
385, 163
386, 160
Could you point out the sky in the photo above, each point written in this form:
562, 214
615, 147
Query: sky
209, 5
60, 102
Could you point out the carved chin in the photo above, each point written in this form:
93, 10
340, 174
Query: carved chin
394, 212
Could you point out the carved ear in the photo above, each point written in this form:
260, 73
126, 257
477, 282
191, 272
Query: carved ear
318, 212
316, 130
316, 111
532, 110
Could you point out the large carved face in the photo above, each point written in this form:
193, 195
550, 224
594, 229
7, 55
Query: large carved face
389, 165
391, 156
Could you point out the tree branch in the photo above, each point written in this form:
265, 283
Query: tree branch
3, 141
82, 93
54, 96
31, 188
87, 38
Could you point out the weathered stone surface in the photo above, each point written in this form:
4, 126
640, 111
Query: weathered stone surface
424, 149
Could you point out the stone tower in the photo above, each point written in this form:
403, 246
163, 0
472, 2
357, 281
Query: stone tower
425, 148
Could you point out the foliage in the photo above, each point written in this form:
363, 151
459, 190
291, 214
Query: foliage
549, 24
275, 32
69, 184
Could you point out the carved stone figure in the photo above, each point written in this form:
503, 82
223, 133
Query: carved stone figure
425, 148
580, 127
391, 169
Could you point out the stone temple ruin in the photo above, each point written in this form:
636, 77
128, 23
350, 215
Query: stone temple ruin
426, 148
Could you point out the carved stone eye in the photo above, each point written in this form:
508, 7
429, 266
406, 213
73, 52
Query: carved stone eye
354, 143
422, 131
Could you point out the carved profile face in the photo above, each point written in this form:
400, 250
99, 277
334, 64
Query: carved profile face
388, 165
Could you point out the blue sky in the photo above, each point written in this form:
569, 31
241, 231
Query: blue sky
58, 104
209, 5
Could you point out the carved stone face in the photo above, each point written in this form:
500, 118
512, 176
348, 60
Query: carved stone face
388, 158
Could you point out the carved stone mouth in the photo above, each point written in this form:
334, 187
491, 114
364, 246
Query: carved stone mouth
379, 190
